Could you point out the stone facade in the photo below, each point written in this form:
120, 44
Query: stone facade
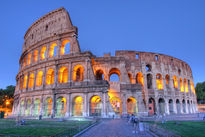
56, 79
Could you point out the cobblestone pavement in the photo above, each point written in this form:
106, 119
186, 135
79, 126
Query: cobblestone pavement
114, 128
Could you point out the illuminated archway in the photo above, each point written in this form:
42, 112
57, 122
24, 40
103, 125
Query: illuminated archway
25, 81
167, 79
130, 77
116, 104
77, 106
159, 80
35, 56
28, 107
39, 78
24, 61
36, 107
95, 106
61, 106
114, 75
43, 53
161, 106
186, 85
192, 87
149, 81
131, 105
184, 106
78, 73
181, 84
175, 82
63, 75
22, 107
48, 107
99, 75
65, 47
140, 79
31, 80
53, 50
50, 77
29, 59
151, 106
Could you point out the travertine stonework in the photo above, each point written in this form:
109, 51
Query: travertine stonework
57, 79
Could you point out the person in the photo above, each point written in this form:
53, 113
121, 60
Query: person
204, 117
135, 123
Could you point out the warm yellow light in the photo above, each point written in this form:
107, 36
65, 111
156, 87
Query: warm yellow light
35, 56
78, 73
159, 81
192, 87
186, 85
51, 50
50, 77
181, 85
24, 62
39, 79
29, 59
78, 99
63, 46
25, 81
31, 80
43, 53
175, 82
140, 78
7, 102
63, 75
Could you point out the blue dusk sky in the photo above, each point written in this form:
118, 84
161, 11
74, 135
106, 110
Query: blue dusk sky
171, 27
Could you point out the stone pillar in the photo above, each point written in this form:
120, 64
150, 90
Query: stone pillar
53, 105
34, 83
27, 83
42, 106
174, 106
85, 105
24, 107
103, 113
59, 48
32, 106
69, 105
166, 106
70, 76
124, 104
56, 76
44, 77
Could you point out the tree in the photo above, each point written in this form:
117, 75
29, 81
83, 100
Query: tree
7, 94
200, 92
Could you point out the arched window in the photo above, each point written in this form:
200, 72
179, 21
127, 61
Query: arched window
167, 78
21, 83
63, 75
61, 106
35, 56
78, 73
39, 78
50, 77
149, 81
53, 50
29, 59
114, 75
159, 81
24, 61
25, 81
192, 87
186, 85
148, 68
130, 77
31, 80
181, 85
43, 53
77, 106
140, 79
175, 82
65, 47
99, 75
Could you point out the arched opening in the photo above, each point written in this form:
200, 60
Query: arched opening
140, 79
178, 106
31, 80
61, 106
50, 77
167, 78
159, 81
175, 82
99, 75
24, 61
63, 75
148, 68
36, 108
25, 81
116, 104
130, 77
149, 81
181, 85
95, 106
35, 56
39, 78
161, 106
21, 82
22, 108
188, 106
184, 106
171, 106
77, 106
48, 107
65, 47
53, 50
43, 53
29, 59
152, 107
114, 75
192, 87
132, 105
28, 107
78, 73
186, 85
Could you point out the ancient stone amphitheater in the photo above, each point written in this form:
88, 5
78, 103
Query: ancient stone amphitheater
57, 79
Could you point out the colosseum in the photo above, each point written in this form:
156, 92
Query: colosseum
57, 79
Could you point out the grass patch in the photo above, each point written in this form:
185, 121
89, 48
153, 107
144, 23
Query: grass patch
42, 128
185, 128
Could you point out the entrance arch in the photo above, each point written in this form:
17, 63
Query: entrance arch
152, 109
131, 105
116, 104
95, 106
77, 106
61, 106
184, 106
28, 107
36, 108
161, 106
48, 107
22, 107
171, 107
178, 106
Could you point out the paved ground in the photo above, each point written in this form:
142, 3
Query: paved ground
114, 128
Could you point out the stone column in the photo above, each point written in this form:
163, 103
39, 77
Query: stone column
69, 105
167, 106
32, 106
59, 48
56, 76
175, 106
34, 83
42, 106
53, 105
44, 77
124, 104
85, 105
